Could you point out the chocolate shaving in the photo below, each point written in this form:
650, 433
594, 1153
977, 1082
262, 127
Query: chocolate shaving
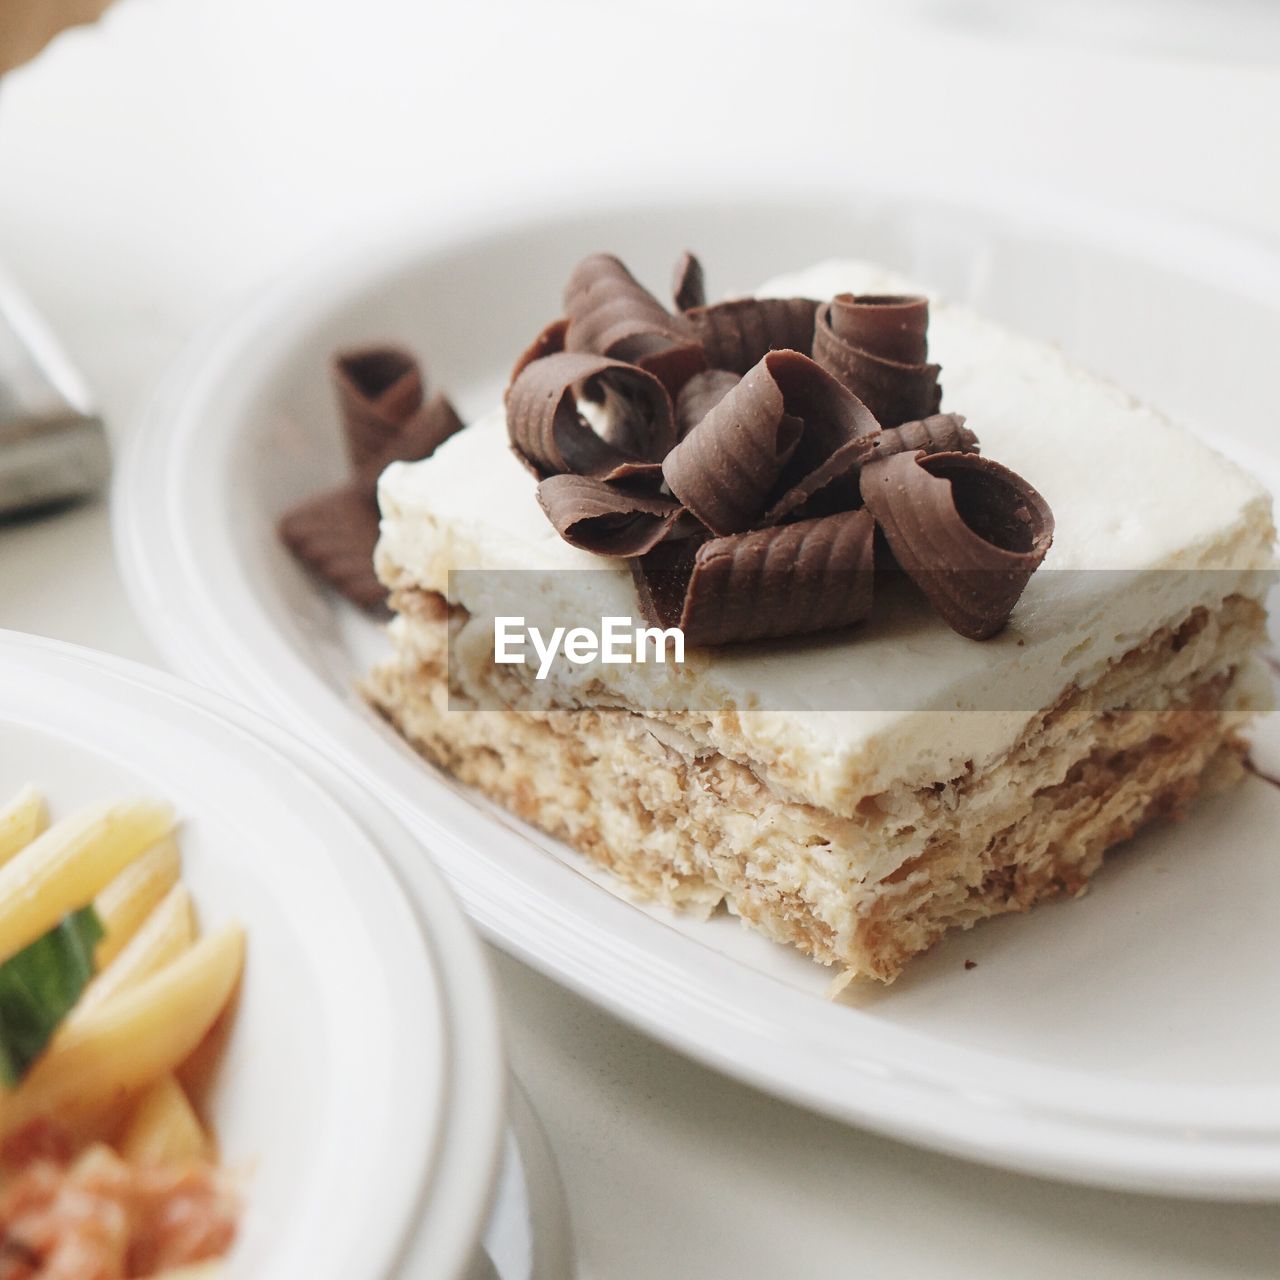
725, 469
891, 326
815, 575
418, 438
876, 346
839, 432
547, 343
662, 579
380, 393
779, 435
968, 532
612, 314
605, 518
688, 286
379, 388
739, 334
550, 434
942, 433
334, 534
700, 395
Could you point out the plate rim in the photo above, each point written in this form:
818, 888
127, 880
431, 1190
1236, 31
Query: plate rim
1234, 1160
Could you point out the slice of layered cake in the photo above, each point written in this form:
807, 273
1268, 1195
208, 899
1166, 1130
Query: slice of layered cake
936, 663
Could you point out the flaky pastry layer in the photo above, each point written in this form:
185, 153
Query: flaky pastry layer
687, 824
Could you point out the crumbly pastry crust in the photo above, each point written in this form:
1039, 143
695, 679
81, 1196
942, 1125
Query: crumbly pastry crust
697, 826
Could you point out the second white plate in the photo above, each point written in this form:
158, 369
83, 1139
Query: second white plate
1125, 1040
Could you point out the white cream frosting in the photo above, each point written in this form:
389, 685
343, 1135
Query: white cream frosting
1131, 493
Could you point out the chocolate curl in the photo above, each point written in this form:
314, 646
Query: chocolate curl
969, 532
662, 578
942, 433
739, 334
380, 392
605, 519
726, 467
688, 285
700, 395
548, 343
876, 346
418, 438
891, 326
839, 434
612, 314
550, 435
334, 535
379, 388
815, 575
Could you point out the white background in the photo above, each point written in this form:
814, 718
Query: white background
158, 168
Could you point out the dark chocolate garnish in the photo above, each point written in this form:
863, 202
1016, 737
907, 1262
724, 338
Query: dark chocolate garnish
788, 416
737, 335
605, 518
876, 346
968, 531
379, 388
889, 325
662, 579
839, 433
688, 285
334, 535
700, 395
815, 575
418, 438
550, 435
380, 392
779, 435
941, 433
547, 343
727, 467
612, 314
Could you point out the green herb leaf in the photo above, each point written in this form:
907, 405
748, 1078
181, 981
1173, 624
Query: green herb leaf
39, 986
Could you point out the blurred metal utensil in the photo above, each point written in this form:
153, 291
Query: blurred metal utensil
52, 445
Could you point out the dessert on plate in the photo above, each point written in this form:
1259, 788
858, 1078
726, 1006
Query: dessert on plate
958, 617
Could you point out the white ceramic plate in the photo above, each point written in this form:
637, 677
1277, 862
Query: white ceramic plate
1124, 1040
362, 1082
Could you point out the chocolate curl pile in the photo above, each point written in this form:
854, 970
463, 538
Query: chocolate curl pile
386, 418
741, 456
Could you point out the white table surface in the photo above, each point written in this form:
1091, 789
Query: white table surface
156, 169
